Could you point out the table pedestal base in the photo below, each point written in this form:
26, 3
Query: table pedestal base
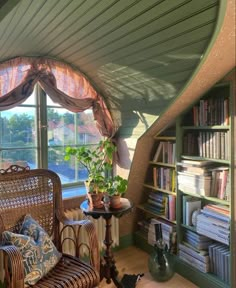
108, 269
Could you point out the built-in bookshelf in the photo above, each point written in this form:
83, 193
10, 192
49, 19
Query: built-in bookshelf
159, 205
194, 164
204, 188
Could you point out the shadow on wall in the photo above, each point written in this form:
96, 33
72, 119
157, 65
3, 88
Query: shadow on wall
123, 156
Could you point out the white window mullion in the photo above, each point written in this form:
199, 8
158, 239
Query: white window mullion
42, 127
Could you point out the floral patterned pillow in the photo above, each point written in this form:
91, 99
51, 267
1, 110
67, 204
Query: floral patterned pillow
38, 251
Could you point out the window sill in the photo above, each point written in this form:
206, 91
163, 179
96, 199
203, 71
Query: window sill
73, 196
75, 191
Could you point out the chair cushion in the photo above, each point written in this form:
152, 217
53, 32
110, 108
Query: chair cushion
38, 251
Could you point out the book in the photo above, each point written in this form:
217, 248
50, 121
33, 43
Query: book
196, 240
227, 267
198, 163
193, 169
220, 231
223, 209
199, 181
199, 184
172, 204
211, 234
201, 255
215, 215
166, 225
203, 267
192, 204
158, 152
185, 198
155, 176
193, 190
222, 186
212, 221
211, 256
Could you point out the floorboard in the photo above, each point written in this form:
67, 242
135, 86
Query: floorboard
133, 260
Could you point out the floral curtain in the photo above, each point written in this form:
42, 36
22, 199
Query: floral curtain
61, 82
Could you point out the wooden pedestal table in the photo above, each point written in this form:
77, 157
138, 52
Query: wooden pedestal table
108, 268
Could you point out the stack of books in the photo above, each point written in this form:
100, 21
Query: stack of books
162, 204
164, 178
214, 222
194, 250
195, 257
165, 152
200, 242
157, 203
195, 176
168, 233
203, 178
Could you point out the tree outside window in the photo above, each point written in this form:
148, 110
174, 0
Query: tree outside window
25, 141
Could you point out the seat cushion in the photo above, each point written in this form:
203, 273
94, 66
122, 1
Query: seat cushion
38, 251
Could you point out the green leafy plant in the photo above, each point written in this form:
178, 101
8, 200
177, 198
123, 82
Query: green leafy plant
97, 160
116, 185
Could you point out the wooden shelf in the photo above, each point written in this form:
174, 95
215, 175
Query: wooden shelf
140, 206
159, 189
211, 199
163, 164
192, 228
165, 138
197, 158
215, 127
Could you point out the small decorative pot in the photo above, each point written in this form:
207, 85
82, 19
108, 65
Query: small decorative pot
115, 202
95, 199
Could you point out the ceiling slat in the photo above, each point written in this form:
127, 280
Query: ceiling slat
91, 31
130, 46
138, 54
156, 56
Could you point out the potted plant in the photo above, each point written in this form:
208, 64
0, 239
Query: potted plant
98, 162
116, 187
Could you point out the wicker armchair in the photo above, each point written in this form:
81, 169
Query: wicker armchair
38, 192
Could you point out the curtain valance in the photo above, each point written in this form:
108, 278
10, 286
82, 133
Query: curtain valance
61, 82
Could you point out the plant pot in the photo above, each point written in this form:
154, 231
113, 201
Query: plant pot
115, 202
95, 199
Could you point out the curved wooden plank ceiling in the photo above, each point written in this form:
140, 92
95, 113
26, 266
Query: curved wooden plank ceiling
138, 54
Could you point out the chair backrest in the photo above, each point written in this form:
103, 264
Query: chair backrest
36, 192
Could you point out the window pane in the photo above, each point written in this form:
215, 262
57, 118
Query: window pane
66, 128
51, 103
31, 100
18, 137
18, 127
22, 157
68, 172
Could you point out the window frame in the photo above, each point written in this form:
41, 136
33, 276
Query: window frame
41, 131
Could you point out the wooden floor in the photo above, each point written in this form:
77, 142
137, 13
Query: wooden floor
132, 260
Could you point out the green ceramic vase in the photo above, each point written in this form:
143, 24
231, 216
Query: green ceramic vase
160, 262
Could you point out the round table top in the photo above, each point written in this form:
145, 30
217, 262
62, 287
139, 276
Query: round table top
126, 206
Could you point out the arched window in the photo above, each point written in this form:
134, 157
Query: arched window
46, 105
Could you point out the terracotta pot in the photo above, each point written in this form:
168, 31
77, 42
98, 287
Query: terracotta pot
95, 199
115, 202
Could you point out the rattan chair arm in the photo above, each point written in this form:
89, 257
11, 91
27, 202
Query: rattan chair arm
15, 276
90, 229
